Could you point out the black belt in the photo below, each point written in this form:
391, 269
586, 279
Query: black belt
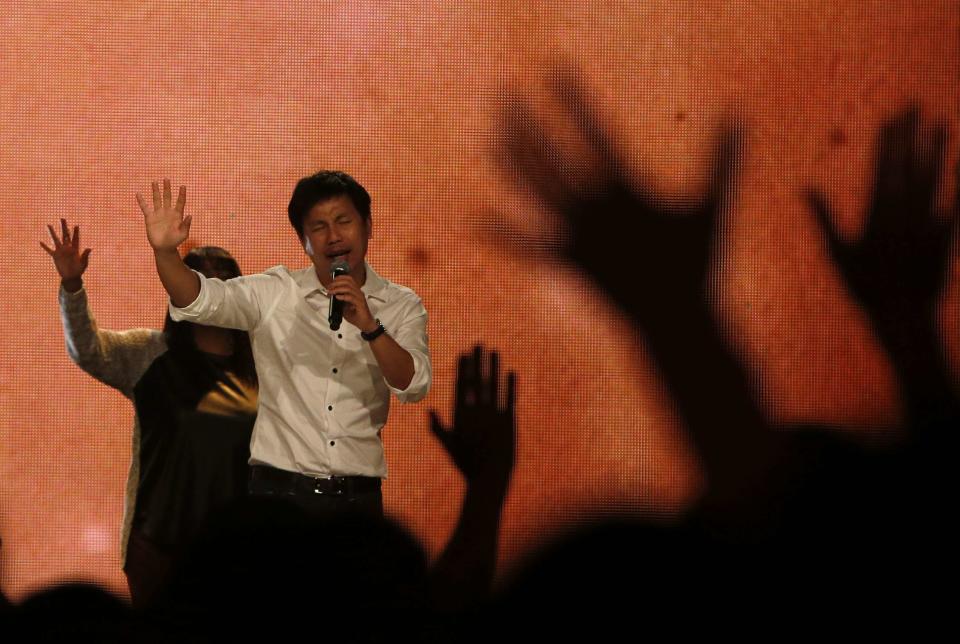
294, 482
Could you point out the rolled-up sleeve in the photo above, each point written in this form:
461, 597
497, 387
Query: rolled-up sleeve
234, 304
412, 336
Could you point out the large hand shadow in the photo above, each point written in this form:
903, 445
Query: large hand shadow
621, 233
653, 258
897, 269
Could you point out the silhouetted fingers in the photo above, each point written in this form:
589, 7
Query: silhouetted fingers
932, 152
534, 158
726, 162
892, 177
76, 237
167, 195
953, 214
463, 381
436, 427
65, 231
885, 167
85, 258
906, 142
450, 439
511, 393
565, 84
941, 226
476, 375
49, 250
956, 186
948, 240
818, 204
569, 89
495, 228
930, 155
493, 380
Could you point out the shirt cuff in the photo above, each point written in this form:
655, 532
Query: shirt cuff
191, 311
419, 384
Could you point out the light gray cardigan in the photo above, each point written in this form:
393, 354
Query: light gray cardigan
118, 359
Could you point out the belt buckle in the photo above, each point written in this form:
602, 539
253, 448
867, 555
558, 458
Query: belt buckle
332, 485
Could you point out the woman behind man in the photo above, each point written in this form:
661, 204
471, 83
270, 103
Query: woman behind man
194, 390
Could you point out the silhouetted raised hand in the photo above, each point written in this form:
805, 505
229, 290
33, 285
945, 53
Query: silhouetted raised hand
654, 259
898, 265
651, 255
481, 440
897, 269
481, 444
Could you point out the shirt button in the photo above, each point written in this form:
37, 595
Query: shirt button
334, 370
332, 443
340, 335
329, 407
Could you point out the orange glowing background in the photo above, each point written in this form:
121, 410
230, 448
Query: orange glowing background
238, 101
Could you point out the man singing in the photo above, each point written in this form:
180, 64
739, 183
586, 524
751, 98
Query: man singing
324, 393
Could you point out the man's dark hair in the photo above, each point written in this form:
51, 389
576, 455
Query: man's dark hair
179, 335
321, 186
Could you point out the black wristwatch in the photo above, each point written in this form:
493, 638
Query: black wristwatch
376, 333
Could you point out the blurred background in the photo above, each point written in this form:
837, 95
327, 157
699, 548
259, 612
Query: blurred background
237, 101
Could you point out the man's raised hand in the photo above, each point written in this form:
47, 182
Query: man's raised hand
166, 225
67, 258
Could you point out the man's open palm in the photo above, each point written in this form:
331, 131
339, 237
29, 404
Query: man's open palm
166, 226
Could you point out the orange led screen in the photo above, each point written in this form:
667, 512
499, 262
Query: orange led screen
432, 106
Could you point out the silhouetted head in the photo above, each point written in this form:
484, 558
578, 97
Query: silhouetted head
264, 565
72, 612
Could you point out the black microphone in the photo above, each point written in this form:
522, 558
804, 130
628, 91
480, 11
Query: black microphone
339, 268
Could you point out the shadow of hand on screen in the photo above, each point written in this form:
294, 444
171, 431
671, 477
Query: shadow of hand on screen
897, 269
654, 257
820, 502
885, 499
481, 443
651, 255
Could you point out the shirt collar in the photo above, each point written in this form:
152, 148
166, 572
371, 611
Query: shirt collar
374, 287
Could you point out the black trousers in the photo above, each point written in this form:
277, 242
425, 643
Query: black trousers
322, 498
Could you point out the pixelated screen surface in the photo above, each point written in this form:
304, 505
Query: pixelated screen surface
473, 125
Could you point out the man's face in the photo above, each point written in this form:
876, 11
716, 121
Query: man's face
334, 230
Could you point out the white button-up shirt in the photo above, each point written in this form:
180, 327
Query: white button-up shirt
323, 398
